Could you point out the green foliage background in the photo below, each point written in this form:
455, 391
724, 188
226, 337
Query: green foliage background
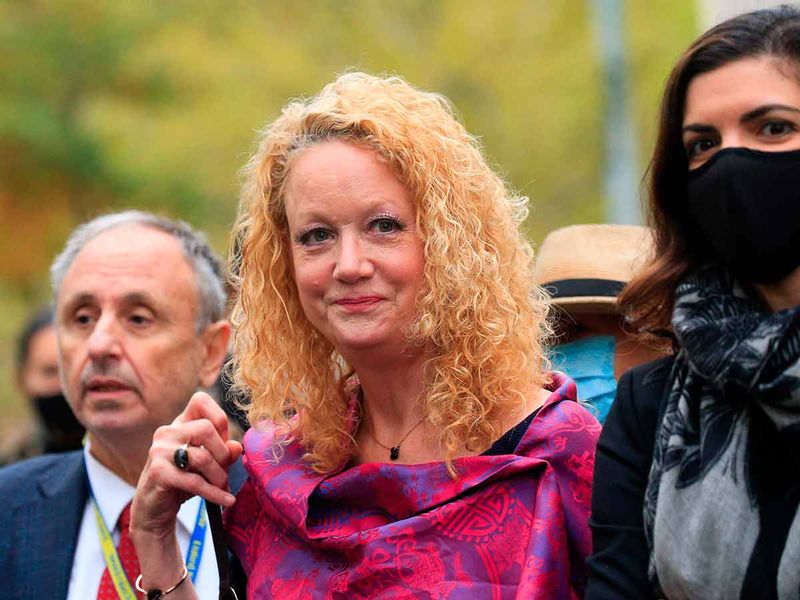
155, 105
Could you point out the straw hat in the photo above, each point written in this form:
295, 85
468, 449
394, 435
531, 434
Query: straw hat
585, 267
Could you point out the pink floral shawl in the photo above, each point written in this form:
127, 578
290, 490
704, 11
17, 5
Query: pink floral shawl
509, 526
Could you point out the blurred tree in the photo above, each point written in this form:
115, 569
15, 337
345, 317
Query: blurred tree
56, 57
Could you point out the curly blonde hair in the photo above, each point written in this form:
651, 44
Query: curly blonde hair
479, 312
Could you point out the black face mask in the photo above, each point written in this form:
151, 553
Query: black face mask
745, 205
63, 431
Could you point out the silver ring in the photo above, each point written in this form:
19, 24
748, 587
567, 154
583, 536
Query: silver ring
181, 457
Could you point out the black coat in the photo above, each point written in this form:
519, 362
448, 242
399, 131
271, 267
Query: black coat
618, 564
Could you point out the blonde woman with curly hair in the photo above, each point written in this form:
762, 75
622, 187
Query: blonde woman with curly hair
406, 440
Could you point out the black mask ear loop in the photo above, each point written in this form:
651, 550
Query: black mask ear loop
226, 591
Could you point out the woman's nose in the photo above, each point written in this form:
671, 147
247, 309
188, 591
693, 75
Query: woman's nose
353, 261
733, 139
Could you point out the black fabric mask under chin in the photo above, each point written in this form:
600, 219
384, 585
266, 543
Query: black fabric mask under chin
745, 207
62, 430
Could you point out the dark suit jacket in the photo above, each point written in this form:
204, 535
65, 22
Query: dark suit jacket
41, 506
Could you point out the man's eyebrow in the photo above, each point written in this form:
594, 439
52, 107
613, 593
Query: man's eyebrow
763, 110
78, 300
135, 298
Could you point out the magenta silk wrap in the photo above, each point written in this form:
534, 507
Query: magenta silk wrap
509, 526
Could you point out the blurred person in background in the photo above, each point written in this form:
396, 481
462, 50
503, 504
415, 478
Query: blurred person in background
139, 319
584, 268
698, 467
56, 429
405, 439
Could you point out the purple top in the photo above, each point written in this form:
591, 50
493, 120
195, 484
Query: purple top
509, 526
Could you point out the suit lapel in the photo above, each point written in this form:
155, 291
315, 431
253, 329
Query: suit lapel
48, 530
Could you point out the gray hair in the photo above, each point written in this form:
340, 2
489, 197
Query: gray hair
206, 265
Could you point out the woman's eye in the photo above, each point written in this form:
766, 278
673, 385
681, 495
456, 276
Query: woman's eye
314, 236
386, 225
699, 146
776, 128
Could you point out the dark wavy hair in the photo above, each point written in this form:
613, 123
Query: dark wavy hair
648, 300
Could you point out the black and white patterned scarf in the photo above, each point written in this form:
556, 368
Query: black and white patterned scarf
700, 513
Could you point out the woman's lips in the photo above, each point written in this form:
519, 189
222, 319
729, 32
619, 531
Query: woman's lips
358, 303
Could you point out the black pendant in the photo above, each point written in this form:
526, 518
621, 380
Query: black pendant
394, 452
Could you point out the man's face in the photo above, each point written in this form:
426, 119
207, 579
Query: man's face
125, 319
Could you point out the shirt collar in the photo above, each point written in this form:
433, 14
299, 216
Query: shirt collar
112, 494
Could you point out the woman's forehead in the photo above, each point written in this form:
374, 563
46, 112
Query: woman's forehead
739, 86
334, 174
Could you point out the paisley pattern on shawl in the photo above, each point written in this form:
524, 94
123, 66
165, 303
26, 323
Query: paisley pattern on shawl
509, 526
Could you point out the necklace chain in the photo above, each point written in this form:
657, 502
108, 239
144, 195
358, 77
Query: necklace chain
394, 451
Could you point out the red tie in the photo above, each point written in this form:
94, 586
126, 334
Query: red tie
127, 556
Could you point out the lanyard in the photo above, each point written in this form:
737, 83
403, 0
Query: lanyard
197, 541
119, 578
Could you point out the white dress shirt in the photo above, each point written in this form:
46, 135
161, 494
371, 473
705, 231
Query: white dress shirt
112, 495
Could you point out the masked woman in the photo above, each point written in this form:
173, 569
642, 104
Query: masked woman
405, 440
698, 467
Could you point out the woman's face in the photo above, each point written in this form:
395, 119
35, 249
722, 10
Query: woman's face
750, 103
356, 254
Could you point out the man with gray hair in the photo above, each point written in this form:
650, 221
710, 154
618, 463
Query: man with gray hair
139, 305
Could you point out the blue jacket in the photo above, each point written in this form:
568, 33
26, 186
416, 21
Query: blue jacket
41, 506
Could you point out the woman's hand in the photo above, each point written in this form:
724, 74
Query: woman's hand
163, 487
